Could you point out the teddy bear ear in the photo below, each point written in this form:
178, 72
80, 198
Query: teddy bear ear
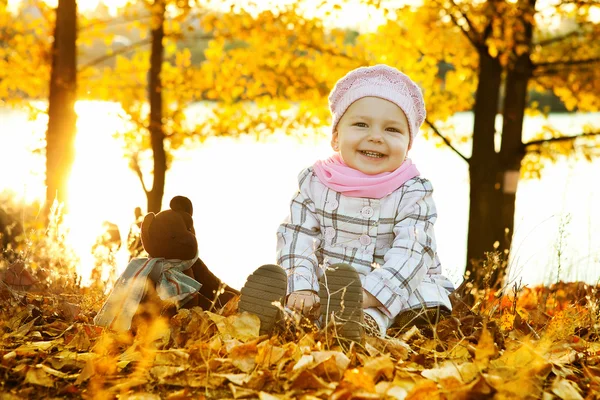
181, 203
148, 219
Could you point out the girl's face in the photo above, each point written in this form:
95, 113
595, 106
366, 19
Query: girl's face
372, 136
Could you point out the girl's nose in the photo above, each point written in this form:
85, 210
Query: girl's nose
375, 134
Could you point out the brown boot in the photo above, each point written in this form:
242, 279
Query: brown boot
341, 298
266, 285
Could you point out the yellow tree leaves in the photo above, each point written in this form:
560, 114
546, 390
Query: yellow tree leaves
25, 53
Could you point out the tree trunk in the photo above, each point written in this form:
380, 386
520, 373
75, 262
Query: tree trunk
512, 150
155, 126
484, 164
60, 136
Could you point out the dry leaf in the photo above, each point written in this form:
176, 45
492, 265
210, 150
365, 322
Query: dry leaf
306, 380
171, 357
237, 379
486, 349
37, 376
390, 389
267, 396
358, 379
462, 372
425, 390
241, 392
244, 326
244, 356
566, 389
382, 366
164, 371
269, 354
32, 349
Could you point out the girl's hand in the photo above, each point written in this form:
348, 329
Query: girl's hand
305, 302
370, 301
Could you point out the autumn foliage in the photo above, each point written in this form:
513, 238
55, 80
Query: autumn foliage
526, 342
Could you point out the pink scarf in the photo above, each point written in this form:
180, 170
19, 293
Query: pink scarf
336, 175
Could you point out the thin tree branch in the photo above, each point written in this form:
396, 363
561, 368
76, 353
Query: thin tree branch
445, 139
566, 64
473, 41
557, 39
560, 139
112, 22
121, 50
135, 165
127, 49
471, 26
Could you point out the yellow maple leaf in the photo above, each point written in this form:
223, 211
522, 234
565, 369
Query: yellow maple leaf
486, 349
244, 326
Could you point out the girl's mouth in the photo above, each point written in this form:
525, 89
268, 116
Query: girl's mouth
372, 154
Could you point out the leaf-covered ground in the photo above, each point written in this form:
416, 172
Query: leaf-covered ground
542, 343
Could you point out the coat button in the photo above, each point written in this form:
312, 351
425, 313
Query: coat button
365, 240
329, 233
332, 204
367, 212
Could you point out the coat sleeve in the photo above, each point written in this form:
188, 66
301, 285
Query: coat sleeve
413, 249
299, 238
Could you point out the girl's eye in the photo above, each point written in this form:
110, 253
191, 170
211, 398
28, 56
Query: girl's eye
360, 124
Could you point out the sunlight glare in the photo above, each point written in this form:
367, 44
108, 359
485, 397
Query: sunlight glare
97, 182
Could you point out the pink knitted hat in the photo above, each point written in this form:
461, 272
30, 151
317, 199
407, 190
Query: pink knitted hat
379, 81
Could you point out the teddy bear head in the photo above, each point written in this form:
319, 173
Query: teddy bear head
170, 233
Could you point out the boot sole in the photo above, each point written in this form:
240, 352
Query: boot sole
340, 293
264, 286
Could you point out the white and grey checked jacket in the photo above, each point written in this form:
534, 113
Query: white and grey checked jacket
389, 241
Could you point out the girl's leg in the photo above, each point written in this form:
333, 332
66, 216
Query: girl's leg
426, 317
341, 297
266, 285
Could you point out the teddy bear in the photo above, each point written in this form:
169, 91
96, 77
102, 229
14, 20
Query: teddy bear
172, 274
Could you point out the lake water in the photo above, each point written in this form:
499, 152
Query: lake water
241, 189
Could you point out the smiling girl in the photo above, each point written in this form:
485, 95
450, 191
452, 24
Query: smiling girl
359, 244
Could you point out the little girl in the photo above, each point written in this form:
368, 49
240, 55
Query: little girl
359, 242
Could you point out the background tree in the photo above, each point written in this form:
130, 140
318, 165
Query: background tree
511, 49
62, 119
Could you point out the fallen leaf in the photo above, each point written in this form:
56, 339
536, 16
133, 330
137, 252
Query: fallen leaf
171, 357
244, 356
462, 372
241, 392
269, 354
566, 389
306, 380
267, 396
378, 367
54, 372
37, 376
304, 362
237, 379
163, 371
140, 396
70, 359
486, 349
24, 329
128, 383
390, 389
358, 379
31, 349
425, 390
244, 326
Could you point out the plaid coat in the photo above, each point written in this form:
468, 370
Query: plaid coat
389, 241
